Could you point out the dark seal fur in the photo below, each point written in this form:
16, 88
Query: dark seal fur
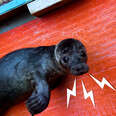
31, 73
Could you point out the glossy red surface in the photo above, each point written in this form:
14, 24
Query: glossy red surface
94, 23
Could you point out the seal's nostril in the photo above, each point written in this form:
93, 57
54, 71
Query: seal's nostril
77, 68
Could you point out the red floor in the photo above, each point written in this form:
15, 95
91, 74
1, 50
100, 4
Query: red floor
94, 23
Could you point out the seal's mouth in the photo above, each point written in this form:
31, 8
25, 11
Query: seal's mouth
79, 69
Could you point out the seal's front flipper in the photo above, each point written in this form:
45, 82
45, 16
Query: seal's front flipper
39, 99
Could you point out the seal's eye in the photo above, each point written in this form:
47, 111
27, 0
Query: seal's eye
65, 59
83, 54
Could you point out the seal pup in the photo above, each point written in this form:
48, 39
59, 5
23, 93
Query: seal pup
30, 74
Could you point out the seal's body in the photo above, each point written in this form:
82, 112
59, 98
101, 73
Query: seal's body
31, 73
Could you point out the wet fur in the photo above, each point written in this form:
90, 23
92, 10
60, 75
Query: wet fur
31, 73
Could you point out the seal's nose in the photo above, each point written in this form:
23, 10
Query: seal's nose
79, 69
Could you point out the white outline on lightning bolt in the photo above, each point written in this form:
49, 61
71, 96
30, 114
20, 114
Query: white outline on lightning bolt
88, 94
102, 83
71, 92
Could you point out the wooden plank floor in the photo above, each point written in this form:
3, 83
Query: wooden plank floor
94, 23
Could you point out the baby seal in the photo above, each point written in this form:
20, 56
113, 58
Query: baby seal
30, 74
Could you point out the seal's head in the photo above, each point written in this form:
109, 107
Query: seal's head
71, 55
